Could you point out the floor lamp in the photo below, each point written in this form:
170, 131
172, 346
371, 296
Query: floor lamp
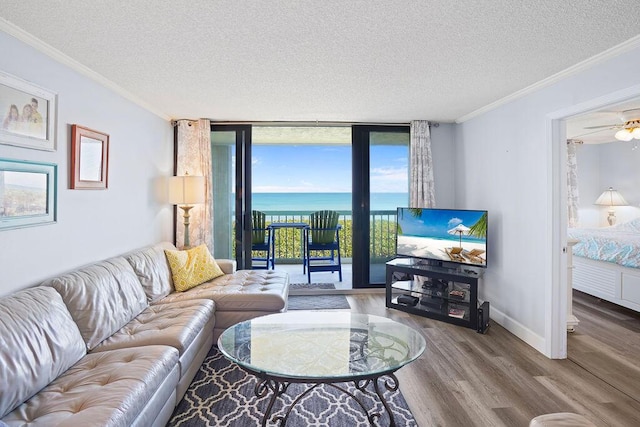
186, 191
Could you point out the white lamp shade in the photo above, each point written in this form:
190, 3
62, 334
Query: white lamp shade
636, 133
186, 190
611, 197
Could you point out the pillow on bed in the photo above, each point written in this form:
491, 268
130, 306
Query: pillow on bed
632, 226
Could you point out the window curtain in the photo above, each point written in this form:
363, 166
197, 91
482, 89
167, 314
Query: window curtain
421, 185
193, 152
573, 200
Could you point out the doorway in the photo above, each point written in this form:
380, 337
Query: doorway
558, 301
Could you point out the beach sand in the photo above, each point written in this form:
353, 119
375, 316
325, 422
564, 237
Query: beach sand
436, 248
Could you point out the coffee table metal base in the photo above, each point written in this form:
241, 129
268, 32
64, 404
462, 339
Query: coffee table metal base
279, 386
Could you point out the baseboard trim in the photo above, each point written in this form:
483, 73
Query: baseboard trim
518, 329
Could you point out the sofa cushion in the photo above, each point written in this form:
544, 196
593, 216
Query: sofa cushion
192, 267
151, 267
175, 325
102, 298
245, 290
110, 388
38, 342
228, 266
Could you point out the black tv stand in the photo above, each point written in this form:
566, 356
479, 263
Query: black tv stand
426, 262
444, 292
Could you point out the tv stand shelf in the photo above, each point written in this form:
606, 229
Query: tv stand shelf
437, 292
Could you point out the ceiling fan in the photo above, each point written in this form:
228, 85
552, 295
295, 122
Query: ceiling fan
629, 130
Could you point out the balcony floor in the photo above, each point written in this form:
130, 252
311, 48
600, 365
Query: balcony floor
346, 286
296, 276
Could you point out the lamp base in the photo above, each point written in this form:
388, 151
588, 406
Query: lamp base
186, 216
611, 219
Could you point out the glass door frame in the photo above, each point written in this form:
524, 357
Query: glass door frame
242, 213
360, 140
361, 206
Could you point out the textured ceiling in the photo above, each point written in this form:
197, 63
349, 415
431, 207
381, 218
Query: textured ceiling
329, 60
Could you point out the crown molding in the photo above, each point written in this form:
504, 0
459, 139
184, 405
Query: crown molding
617, 50
64, 59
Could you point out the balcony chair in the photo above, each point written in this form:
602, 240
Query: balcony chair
323, 238
260, 242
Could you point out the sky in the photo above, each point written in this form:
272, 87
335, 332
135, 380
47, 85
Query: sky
325, 168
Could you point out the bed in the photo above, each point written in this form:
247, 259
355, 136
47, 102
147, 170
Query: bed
606, 262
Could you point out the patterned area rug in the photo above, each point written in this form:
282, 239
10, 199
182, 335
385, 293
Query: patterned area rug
311, 286
316, 302
223, 395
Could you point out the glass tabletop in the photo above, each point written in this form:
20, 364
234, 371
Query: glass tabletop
321, 346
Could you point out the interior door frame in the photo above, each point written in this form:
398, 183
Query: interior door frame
556, 301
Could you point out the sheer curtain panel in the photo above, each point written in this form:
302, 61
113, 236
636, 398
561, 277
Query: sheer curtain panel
194, 157
573, 200
421, 185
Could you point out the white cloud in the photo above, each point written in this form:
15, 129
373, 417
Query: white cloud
454, 221
390, 173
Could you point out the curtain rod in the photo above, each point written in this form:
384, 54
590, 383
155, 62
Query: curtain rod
316, 123
174, 122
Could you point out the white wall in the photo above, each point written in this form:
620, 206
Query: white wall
444, 164
601, 166
505, 166
92, 224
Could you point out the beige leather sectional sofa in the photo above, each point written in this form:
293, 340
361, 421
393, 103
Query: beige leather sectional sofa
112, 343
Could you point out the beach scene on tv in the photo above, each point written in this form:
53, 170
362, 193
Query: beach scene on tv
448, 235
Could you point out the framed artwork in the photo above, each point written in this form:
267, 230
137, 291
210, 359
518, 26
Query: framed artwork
27, 193
89, 159
27, 114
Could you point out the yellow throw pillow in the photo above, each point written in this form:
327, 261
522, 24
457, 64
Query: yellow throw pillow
192, 267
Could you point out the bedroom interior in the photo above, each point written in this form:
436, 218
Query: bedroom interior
605, 258
494, 150
606, 219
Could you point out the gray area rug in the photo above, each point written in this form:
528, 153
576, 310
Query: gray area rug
223, 395
316, 302
311, 286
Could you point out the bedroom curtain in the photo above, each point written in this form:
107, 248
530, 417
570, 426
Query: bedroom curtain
573, 200
193, 155
421, 185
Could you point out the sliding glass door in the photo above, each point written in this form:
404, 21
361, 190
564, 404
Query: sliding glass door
296, 171
380, 185
231, 161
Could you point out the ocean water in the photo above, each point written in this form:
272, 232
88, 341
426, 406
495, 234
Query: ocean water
320, 201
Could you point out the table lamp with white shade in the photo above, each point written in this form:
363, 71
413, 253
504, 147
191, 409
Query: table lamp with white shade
611, 198
186, 191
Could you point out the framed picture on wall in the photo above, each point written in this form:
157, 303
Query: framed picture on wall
27, 193
89, 159
27, 114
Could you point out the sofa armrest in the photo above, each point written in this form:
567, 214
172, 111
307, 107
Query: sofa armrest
228, 266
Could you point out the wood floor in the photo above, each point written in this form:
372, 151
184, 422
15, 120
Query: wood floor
470, 379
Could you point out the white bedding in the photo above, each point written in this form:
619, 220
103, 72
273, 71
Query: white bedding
619, 244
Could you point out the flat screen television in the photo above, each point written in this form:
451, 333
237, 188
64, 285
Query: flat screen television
443, 235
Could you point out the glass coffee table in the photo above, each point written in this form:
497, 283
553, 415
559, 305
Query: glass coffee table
322, 348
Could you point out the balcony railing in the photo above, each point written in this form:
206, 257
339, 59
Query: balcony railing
289, 245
